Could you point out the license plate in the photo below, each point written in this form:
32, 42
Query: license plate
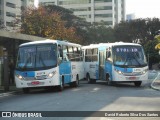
35, 82
133, 78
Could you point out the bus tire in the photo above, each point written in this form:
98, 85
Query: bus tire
25, 90
76, 83
137, 83
61, 86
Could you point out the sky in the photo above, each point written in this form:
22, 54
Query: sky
36, 3
143, 8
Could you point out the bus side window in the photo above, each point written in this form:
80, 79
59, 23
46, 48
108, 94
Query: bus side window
70, 53
65, 50
88, 55
94, 54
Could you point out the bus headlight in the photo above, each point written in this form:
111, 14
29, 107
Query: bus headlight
144, 71
118, 71
19, 77
50, 75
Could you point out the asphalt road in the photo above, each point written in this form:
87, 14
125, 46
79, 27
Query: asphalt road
86, 97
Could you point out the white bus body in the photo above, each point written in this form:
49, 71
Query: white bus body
48, 63
115, 62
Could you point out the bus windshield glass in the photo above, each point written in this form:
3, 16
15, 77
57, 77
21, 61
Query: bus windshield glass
37, 57
132, 56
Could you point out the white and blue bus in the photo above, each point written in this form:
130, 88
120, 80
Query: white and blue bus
48, 63
115, 62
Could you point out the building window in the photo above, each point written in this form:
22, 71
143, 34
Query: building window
103, 8
10, 5
103, 15
74, 2
102, 1
9, 14
10, 24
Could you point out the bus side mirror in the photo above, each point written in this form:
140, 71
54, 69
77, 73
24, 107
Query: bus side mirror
108, 54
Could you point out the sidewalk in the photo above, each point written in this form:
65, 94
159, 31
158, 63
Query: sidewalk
12, 90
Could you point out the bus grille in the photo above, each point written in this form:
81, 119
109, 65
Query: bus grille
131, 74
36, 78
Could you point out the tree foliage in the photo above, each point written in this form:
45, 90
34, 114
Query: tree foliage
157, 37
99, 33
2, 26
151, 52
49, 24
138, 30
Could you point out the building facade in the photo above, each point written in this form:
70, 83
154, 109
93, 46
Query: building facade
110, 12
11, 9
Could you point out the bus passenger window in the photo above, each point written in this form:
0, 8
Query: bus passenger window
65, 50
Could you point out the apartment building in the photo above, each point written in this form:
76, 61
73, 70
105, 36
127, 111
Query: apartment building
10, 9
110, 12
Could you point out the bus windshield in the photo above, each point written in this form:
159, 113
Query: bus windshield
132, 56
37, 57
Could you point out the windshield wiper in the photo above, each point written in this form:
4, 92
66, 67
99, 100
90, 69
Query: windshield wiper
40, 57
129, 57
137, 60
25, 65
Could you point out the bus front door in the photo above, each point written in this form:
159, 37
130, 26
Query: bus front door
101, 64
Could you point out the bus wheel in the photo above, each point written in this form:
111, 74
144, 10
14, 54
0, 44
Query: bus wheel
76, 83
61, 86
25, 90
137, 83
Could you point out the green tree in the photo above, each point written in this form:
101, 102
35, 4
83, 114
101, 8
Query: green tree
157, 37
139, 30
49, 24
122, 32
99, 33
151, 52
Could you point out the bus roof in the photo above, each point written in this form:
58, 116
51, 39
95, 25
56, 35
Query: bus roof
109, 45
50, 41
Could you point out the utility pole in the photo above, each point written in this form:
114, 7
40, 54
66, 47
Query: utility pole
6, 78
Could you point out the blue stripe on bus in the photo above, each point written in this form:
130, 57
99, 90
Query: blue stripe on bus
26, 74
108, 68
125, 70
65, 70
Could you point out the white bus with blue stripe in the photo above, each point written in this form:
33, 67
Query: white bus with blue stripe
115, 62
48, 63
